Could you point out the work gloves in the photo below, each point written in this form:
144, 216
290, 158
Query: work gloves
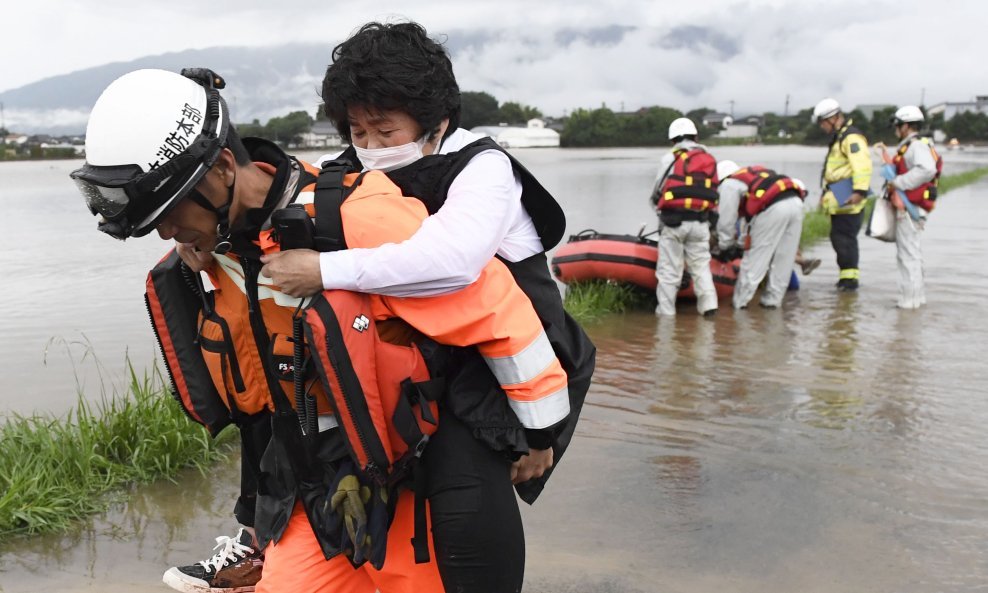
362, 508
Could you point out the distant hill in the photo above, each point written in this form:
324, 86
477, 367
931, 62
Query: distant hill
262, 82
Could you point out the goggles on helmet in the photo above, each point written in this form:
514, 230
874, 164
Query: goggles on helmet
131, 201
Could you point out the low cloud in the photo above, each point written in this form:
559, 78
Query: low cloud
53, 121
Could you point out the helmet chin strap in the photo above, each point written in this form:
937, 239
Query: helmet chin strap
223, 242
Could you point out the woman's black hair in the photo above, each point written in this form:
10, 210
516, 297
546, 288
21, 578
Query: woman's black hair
387, 67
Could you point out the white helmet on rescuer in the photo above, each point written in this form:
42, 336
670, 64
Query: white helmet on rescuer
682, 126
726, 168
907, 114
825, 108
151, 137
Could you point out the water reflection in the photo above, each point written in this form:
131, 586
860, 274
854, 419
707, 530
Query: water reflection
833, 401
149, 529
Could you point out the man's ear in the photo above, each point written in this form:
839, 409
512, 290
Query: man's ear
226, 166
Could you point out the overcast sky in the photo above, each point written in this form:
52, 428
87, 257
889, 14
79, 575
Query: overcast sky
647, 52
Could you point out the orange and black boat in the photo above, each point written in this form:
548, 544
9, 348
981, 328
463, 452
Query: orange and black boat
630, 259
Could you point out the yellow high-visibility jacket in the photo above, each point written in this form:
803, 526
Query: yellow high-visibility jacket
848, 157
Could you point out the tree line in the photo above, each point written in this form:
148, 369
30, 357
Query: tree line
648, 127
645, 127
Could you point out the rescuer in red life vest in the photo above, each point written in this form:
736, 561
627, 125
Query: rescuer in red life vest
685, 196
772, 208
915, 173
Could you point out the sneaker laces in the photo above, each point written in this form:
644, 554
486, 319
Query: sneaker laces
229, 547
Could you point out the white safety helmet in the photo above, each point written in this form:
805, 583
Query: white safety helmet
726, 168
682, 126
825, 108
151, 137
907, 114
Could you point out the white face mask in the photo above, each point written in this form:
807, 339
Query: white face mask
392, 157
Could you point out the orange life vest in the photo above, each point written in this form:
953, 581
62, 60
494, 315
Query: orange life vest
384, 391
691, 183
925, 195
765, 187
493, 313
245, 326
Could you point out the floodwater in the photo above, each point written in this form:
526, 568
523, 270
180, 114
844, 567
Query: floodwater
837, 444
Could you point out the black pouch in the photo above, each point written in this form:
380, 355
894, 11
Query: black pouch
671, 218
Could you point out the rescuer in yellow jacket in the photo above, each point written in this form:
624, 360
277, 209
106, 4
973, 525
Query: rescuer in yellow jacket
846, 181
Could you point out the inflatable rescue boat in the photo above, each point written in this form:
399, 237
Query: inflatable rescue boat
631, 259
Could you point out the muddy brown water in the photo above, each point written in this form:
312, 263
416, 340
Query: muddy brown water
838, 444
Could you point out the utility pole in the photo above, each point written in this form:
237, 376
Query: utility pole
732, 108
3, 122
785, 118
922, 97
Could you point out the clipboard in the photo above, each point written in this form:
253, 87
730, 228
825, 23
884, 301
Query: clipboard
842, 190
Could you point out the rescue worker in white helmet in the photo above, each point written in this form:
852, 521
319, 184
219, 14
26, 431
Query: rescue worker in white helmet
772, 207
685, 195
846, 181
914, 175
222, 194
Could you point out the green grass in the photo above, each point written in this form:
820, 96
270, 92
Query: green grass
587, 301
55, 471
816, 226
591, 300
949, 182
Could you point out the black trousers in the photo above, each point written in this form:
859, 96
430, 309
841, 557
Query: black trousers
844, 229
255, 433
476, 524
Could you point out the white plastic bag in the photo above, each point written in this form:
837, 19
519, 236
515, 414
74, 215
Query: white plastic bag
881, 223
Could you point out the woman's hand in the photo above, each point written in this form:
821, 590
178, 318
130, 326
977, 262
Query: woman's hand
531, 466
295, 271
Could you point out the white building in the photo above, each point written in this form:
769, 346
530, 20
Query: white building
322, 135
712, 119
16, 139
535, 135
738, 131
950, 109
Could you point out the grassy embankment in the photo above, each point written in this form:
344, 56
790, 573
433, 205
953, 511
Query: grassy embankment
55, 471
592, 300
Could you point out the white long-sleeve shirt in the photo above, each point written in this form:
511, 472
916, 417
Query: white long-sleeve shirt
730, 193
482, 216
921, 167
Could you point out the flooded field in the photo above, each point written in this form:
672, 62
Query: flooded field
837, 444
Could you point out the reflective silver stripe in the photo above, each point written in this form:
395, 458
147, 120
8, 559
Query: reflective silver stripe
544, 412
326, 422
524, 366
